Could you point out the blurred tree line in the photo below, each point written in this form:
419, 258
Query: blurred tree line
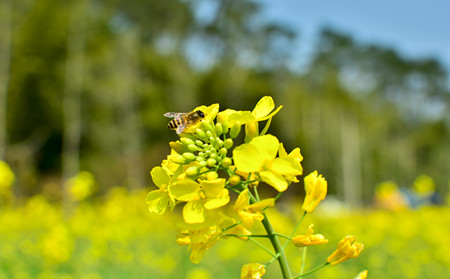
84, 85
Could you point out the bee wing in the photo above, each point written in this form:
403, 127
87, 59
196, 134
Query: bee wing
181, 128
174, 114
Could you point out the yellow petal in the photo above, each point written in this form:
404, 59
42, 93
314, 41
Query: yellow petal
185, 190
264, 106
277, 181
247, 158
193, 212
157, 201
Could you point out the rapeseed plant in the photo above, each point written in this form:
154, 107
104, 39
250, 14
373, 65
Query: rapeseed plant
207, 165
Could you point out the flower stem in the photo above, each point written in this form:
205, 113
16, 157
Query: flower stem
282, 260
311, 271
295, 229
304, 252
263, 247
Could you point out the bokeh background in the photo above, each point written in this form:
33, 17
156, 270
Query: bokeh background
84, 85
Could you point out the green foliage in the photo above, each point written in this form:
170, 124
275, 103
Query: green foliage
142, 59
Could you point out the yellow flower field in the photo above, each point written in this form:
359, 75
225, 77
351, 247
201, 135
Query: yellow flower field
116, 237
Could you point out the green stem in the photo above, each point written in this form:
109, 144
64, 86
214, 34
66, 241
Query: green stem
272, 235
304, 252
282, 260
311, 271
263, 247
246, 235
295, 229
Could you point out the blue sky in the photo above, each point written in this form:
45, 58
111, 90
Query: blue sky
415, 28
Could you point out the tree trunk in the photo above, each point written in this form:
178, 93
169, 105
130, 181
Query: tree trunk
130, 124
76, 37
5, 58
351, 160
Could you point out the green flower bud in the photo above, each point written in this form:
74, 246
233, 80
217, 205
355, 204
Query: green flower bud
191, 171
212, 175
199, 143
202, 163
251, 131
218, 129
206, 126
235, 130
178, 147
223, 151
178, 159
235, 179
189, 156
193, 147
200, 133
211, 162
208, 134
186, 141
228, 143
213, 155
212, 139
199, 159
219, 142
226, 162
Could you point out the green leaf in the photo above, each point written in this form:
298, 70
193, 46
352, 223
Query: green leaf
157, 201
159, 176
184, 190
193, 212
277, 181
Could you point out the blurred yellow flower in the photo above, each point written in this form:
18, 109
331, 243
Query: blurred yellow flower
6, 177
362, 274
252, 271
81, 186
199, 241
347, 248
309, 238
316, 190
251, 212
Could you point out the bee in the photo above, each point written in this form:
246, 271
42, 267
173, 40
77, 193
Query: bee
181, 120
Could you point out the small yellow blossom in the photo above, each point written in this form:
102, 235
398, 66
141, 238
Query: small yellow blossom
208, 194
253, 271
316, 190
362, 274
6, 177
309, 238
251, 212
199, 241
347, 248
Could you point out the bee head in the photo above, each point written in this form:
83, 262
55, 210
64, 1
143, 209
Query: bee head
200, 113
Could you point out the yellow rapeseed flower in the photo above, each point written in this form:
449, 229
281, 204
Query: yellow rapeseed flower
316, 190
309, 238
362, 274
6, 177
199, 241
347, 248
253, 271
259, 155
250, 212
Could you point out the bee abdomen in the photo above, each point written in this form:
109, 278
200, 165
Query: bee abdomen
174, 123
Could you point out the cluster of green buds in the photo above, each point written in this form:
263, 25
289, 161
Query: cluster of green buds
205, 151
206, 165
